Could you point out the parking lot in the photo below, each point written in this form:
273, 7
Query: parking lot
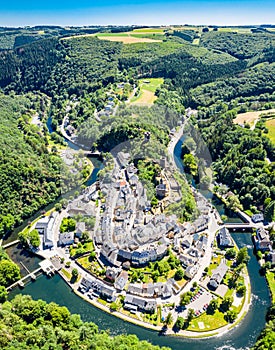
199, 304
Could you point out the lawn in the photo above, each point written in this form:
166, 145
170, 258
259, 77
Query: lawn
87, 247
66, 273
147, 91
214, 264
92, 266
210, 322
270, 276
270, 124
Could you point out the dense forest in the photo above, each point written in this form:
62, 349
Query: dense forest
240, 159
30, 324
31, 175
266, 340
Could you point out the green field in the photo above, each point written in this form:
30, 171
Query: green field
147, 91
207, 322
270, 124
149, 30
111, 34
270, 276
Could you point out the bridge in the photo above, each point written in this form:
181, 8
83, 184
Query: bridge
240, 226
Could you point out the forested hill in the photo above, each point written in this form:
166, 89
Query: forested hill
28, 324
241, 46
61, 67
30, 175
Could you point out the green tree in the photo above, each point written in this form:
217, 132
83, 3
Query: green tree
92, 256
169, 319
231, 316
34, 238
241, 290
233, 203
190, 164
179, 274
185, 298
9, 273
114, 306
3, 294
191, 315
213, 306
226, 304
242, 256
74, 272
179, 323
230, 253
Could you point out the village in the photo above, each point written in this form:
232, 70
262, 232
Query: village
137, 260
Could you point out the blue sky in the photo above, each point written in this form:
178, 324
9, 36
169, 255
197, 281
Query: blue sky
146, 12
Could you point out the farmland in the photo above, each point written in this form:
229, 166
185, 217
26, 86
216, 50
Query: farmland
127, 38
251, 117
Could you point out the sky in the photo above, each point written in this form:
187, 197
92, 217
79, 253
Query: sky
136, 12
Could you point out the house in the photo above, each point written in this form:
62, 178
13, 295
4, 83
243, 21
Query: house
121, 280
86, 284
257, 218
109, 252
146, 305
79, 229
262, 240
98, 288
224, 238
66, 238
130, 171
45, 226
149, 290
187, 260
78, 207
176, 244
133, 180
111, 273
201, 223
140, 258
202, 244
108, 292
123, 159
191, 271
161, 190
124, 255
194, 252
217, 275
187, 242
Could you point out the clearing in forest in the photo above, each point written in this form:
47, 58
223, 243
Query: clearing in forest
148, 88
251, 118
270, 124
127, 39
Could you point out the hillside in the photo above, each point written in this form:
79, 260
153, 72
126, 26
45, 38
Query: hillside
30, 324
30, 175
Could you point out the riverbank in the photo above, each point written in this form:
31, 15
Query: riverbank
169, 331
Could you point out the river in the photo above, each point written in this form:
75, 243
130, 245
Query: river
241, 337
244, 335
